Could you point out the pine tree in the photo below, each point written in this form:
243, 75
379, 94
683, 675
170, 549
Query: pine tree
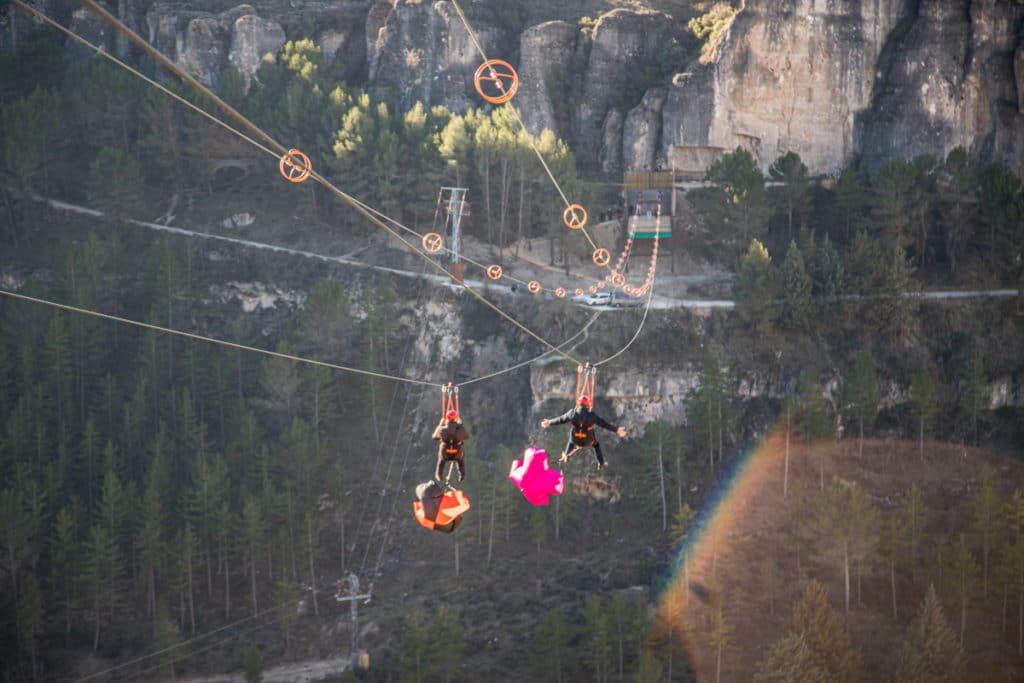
550, 649
961, 580
790, 660
796, 289
707, 406
446, 664
287, 597
33, 127
922, 203
988, 521
958, 215
1013, 560
254, 531
846, 522
757, 287
893, 186
253, 664
720, 637
828, 280
65, 558
1002, 215
166, 637
974, 396
114, 182
815, 648
860, 394
922, 398
596, 641
914, 519
414, 646
744, 208
31, 614
893, 311
851, 201
793, 196
103, 574
187, 553
894, 547
929, 653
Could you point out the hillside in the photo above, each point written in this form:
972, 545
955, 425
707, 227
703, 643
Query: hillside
217, 387
768, 548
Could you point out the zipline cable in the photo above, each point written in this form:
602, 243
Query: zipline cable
367, 211
531, 361
647, 309
202, 112
189, 641
212, 340
529, 138
410, 343
351, 201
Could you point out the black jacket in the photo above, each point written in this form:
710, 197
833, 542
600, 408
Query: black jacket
451, 433
583, 421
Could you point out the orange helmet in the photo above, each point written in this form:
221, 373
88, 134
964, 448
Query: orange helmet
585, 401
452, 415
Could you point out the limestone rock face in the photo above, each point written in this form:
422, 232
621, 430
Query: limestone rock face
339, 28
546, 56
422, 52
205, 43
624, 42
610, 154
251, 39
205, 49
197, 41
17, 24
688, 110
631, 398
792, 76
91, 27
642, 131
832, 81
950, 83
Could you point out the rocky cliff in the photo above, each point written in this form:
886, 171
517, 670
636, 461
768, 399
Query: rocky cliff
835, 80
832, 80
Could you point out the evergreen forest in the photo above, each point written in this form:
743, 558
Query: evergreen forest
172, 507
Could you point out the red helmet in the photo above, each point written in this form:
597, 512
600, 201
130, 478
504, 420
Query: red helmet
452, 415
585, 400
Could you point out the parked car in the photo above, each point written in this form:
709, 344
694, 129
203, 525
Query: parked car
598, 299
624, 300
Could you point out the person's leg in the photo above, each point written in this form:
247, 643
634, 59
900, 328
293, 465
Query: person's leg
600, 456
570, 449
440, 462
462, 466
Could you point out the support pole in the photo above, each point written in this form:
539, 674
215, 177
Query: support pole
456, 206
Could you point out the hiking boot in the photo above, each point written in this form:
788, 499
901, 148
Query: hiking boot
601, 466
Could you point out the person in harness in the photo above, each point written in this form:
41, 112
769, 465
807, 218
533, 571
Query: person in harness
581, 433
450, 433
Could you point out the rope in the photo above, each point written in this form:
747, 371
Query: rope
529, 138
207, 115
647, 309
376, 461
394, 498
360, 208
211, 340
159, 86
568, 341
189, 641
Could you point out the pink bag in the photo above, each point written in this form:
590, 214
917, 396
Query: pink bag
534, 478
